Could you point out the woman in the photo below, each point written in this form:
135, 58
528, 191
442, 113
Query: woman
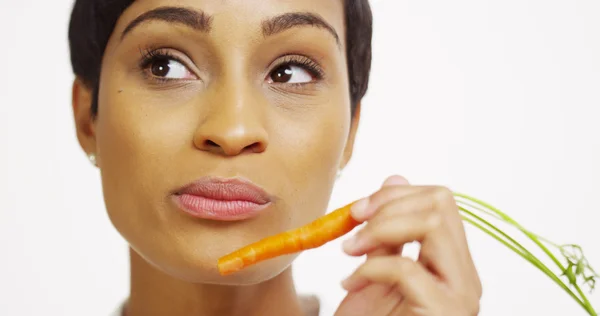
217, 123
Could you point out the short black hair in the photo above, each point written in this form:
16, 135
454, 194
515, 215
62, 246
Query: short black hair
93, 21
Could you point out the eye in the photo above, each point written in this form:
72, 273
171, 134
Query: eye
289, 73
169, 68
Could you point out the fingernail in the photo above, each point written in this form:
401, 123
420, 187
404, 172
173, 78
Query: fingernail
355, 245
359, 209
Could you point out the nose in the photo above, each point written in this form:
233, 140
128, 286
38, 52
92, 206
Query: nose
233, 126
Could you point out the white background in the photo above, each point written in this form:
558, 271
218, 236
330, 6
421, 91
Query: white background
497, 99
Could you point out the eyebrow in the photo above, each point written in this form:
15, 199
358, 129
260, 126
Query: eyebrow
295, 19
197, 20
201, 21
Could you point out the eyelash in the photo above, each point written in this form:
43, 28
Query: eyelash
151, 55
304, 62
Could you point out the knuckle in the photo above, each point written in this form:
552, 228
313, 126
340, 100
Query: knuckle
442, 199
388, 210
383, 195
442, 194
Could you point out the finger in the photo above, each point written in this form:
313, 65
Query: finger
384, 251
445, 202
376, 249
440, 197
366, 208
430, 199
362, 208
416, 217
410, 278
395, 180
444, 251
393, 232
389, 251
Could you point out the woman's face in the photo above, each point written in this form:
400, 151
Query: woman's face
256, 90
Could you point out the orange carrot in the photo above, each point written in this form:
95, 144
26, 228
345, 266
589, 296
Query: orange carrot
313, 235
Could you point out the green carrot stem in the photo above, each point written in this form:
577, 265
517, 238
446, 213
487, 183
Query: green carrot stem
517, 225
522, 251
547, 241
480, 209
536, 239
533, 262
498, 230
586, 302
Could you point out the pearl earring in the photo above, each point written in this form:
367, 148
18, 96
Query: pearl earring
92, 158
339, 174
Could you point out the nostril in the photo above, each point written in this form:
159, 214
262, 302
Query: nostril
231, 147
255, 148
210, 143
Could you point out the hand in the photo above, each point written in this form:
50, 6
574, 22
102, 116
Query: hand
442, 282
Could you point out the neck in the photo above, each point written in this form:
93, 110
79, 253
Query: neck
155, 293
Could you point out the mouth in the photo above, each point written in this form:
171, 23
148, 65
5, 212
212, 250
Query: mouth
222, 199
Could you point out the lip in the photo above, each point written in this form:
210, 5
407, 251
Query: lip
222, 199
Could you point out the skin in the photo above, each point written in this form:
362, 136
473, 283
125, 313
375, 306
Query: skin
224, 116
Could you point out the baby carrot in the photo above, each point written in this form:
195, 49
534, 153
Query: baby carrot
312, 235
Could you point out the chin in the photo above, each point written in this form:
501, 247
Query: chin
255, 274
196, 262
168, 241
205, 271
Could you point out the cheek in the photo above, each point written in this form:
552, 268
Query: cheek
137, 142
140, 132
312, 146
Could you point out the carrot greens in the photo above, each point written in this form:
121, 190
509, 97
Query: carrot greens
574, 271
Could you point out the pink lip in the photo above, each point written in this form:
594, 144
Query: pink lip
222, 199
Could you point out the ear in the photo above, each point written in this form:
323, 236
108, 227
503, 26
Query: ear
82, 113
351, 136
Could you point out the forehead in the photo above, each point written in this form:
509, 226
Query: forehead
227, 14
